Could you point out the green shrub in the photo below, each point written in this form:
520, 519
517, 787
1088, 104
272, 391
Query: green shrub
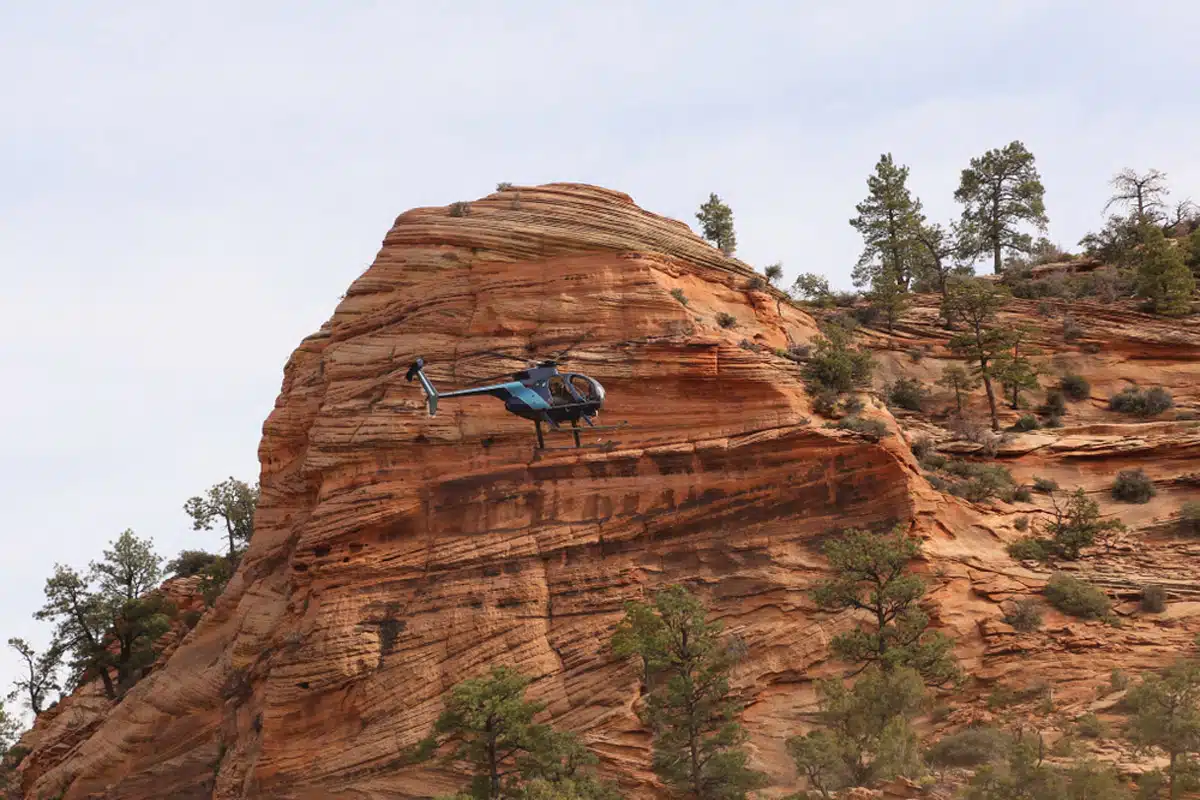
1026, 615
934, 461
1072, 331
1132, 400
678, 294
1029, 548
907, 393
1154, 599
503, 186
1189, 517
1055, 405
981, 481
1090, 726
460, 209
726, 320
1026, 422
922, 446
1076, 597
835, 365
1045, 485
852, 405
916, 354
192, 618
873, 429
1021, 523
1021, 494
1133, 486
1118, 681
825, 402
1075, 387
969, 747
190, 562
1054, 421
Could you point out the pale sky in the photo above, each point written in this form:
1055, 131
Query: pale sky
186, 189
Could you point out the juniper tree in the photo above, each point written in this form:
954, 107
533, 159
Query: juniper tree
1163, 277
231, 503
811, 286
489, 725
1076, 523
999, 191
976, 302
958, 380
690, 707
1143, 193
870, 574
40, 675
888, 220
716, 223
1166, 716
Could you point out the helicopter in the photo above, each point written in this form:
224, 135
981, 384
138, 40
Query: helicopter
539, 393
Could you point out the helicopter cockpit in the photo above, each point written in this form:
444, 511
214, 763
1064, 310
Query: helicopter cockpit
573, 388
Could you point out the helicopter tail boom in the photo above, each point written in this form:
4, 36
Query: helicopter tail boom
431, 394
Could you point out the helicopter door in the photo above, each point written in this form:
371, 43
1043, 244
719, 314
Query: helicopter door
560, 395
586, 388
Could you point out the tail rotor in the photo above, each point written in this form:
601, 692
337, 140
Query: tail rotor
417, 371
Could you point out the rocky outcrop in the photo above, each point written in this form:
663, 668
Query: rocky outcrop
396, 554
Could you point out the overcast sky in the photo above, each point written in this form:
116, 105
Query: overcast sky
186, 189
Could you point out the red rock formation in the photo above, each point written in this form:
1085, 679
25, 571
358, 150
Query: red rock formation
396, 554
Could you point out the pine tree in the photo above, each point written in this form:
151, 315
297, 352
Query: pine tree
871, 575
866, 734
1013, 368
976, 302
1143, 193
111, 618
1166, 717
231, 502
40, 675
9, 728
81, 621
490, 726
774, 273
999, 191
889, 221
716, 222
1163, 278
958, 380
887, 297
940, 250
690, 707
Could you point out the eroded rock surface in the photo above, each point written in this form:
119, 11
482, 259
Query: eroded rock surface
396, 554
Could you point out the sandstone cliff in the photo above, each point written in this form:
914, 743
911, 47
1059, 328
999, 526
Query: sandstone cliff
396, 554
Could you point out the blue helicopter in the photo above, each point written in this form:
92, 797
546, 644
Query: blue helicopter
540, 393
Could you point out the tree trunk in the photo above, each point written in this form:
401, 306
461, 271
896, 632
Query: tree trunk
1171, 776
996, 268
991, 396
958, 399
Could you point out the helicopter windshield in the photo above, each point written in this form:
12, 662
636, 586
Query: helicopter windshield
560, 395
590, 390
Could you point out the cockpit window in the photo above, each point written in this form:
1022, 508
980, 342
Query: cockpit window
588, 389
559, 393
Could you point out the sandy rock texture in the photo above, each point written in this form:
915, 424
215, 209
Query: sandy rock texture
396, 554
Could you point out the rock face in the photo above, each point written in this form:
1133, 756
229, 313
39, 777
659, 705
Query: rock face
396, 554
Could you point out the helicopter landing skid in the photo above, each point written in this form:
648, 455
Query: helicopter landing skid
575, 430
